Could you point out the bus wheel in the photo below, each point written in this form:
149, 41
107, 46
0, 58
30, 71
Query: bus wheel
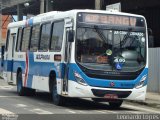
116, 104
20, 89
30, 92
57, 99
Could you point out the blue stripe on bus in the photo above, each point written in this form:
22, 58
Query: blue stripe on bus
44, 68
124, 84
35, 68
8, 65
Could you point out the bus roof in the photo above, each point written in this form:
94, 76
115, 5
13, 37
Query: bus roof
55, 15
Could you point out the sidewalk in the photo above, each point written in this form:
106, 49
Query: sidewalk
152, 100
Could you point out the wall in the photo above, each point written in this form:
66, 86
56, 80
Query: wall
5, 20
154, 70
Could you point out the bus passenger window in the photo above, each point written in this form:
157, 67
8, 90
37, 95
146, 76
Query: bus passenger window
19, 39
25, 39
57, 36
34, 38
45, 36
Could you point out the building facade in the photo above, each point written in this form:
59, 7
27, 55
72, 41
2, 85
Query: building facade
5, 20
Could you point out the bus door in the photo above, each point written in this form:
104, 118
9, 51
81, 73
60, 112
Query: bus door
9, 55
68, 27
2, 57
12, 61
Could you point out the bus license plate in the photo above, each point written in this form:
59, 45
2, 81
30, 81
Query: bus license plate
111, 96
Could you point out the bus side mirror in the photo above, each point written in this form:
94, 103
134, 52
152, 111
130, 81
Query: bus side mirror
70, 36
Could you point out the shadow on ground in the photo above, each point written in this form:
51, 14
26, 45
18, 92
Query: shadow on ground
71, 103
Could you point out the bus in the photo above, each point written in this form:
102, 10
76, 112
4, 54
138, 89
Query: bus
96, 54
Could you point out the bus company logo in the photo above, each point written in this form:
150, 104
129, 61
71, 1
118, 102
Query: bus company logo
112, 73
42, 57
112, 84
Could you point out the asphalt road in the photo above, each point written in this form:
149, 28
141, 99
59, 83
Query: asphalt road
41, 103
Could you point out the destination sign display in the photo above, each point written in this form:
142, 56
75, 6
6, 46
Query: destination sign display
111, 19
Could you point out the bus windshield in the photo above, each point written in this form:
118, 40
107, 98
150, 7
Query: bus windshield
108, 50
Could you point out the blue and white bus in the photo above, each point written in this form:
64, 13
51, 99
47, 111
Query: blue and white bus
95, 54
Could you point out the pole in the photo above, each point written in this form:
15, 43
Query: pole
48, 6
42, 6
98, 4
20, 12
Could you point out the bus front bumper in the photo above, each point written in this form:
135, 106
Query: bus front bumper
78, 90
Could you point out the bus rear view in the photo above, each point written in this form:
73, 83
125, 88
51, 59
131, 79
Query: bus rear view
110, 58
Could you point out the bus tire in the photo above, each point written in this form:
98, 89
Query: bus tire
116, 104
20, 89
57, 99
30, 92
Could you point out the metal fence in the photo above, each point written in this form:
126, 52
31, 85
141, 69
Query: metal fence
154, 70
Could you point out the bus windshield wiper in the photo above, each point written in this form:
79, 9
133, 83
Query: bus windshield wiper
140, 57
100, 33
124, 40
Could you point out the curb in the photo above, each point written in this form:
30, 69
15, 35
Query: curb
147, 102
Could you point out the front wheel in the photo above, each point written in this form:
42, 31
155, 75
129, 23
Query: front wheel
116, 104
57, 99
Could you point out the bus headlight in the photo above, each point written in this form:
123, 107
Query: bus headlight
79, 79
141, 83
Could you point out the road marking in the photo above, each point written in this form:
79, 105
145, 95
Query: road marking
8, 96
3, 111
40, 111
21, 105
71, 111
68, 110
6, 87
100, 111
149, 110
109, 111
81, 111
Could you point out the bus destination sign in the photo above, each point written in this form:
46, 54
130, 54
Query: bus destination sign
112, 19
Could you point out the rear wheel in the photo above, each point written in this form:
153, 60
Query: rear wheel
20, 89
57, 99
116, 104
30, 92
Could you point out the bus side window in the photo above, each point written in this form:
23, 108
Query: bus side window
25, 39
34, 38
7, 39
57, 36
19, 37
45, 37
